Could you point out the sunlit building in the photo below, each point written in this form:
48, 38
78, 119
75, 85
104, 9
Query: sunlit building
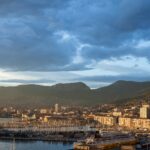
56, 108
106, 120
145, 111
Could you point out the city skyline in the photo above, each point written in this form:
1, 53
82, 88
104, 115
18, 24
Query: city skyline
96, 42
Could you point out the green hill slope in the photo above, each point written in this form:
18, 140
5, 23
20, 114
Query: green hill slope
71, 93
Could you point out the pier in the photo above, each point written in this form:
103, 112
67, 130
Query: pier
105, 145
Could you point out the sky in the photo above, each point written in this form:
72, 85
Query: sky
58, 41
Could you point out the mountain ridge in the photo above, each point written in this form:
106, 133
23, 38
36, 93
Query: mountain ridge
71, 93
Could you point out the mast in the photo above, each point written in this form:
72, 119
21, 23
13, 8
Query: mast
13, 145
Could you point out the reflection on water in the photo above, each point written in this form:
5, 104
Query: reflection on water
38, 145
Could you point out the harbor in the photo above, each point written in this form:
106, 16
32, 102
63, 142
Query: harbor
81, 140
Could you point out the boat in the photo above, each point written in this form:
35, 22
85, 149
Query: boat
93, 143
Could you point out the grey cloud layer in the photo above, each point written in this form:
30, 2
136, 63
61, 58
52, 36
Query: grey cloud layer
111, 79
27, 32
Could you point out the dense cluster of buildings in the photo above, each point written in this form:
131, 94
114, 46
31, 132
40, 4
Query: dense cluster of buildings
107, 115
118, 119
55, 116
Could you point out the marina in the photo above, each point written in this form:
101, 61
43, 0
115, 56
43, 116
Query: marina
80, 140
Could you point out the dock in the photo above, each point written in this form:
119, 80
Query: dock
104, 145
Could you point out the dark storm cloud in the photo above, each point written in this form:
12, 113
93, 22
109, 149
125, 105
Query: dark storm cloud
111, 26
28, 39
107, 22
99, 53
